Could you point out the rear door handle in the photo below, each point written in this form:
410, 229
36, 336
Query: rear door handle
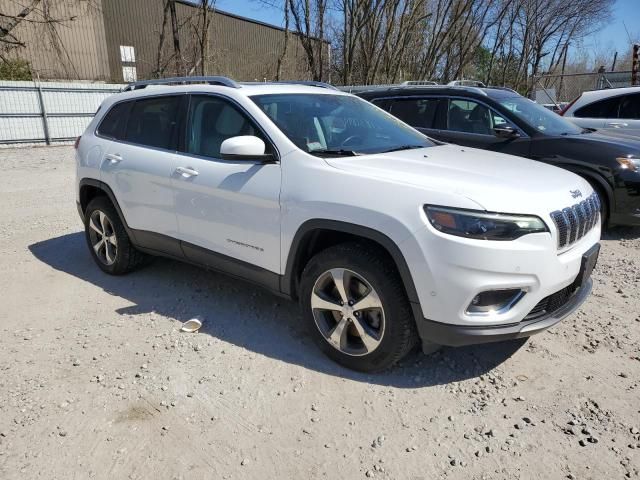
187, 172
113, 157
617, 124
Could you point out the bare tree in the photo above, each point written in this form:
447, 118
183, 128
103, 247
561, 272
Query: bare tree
175, 30
309, 19
285, 45
8, 23
206, 9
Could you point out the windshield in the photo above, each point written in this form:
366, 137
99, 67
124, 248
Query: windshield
338, 124
540, 118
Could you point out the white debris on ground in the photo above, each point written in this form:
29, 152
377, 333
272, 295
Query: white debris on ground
97, 381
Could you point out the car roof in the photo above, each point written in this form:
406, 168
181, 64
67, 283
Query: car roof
610, 92
410, 91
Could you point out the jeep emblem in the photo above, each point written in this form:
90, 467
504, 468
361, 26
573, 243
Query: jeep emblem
575, 193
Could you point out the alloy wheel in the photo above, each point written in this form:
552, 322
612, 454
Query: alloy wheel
348, 312
103, 237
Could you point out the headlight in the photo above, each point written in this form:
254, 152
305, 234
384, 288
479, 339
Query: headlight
483, 225
630, 162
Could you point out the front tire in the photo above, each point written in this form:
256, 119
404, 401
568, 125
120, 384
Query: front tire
356, 308
107, 239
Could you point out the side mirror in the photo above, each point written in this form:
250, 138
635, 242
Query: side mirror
505, 132
245, 147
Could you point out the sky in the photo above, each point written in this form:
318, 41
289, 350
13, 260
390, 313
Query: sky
613, 37
625, 24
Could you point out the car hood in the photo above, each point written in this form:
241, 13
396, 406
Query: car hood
496, 182
619, 140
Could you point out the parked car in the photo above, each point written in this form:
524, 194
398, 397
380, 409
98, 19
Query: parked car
615, 108
384, 236
500, 120
555, 107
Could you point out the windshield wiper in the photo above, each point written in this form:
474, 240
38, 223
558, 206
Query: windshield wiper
403, 147
340, 152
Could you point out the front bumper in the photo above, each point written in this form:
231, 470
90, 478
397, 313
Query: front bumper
459, 335
448, 272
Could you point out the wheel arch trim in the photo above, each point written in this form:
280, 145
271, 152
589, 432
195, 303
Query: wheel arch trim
288, 280
92, 182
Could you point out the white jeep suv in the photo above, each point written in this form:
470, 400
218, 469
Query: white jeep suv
385, 236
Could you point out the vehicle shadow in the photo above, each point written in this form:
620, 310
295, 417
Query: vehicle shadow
247, 316
621, 233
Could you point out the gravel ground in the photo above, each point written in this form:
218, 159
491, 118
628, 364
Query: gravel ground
96, 381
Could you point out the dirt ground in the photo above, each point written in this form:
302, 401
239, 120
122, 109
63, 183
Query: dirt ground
96, 381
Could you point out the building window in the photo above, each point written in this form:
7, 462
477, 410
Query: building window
129, 74
127, 54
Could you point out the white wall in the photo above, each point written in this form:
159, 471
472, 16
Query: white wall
21, 116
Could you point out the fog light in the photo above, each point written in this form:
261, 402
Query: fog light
494, 301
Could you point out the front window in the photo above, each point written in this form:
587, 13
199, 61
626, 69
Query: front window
472, 117
323, 124
211, 121
538, 117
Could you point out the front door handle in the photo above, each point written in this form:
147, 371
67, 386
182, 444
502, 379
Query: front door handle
617, 124
187, 172
113, 157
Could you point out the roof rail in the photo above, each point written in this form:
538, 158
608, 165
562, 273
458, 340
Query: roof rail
402, 86
222, 81
419, 82
309, 83
507, 89
384, 86
466, 83
362, 88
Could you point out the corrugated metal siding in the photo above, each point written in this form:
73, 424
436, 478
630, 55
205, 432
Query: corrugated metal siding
238, 48
250, 51
135, 24
69, 50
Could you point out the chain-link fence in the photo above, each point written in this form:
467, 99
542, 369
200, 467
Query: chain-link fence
559, 89
48, 112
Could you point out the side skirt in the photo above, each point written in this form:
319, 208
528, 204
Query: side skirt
165, 246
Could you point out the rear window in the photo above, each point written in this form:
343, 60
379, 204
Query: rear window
152, 121
113, 123
607, 108
630, 107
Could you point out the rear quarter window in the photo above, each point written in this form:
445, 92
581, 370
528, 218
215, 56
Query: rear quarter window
114, 122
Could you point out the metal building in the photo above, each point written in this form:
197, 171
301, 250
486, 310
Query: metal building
118, 41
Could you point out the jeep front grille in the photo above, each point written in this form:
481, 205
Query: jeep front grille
573, 223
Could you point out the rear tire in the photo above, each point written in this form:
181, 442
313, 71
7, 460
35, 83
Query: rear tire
374, 327
107, 239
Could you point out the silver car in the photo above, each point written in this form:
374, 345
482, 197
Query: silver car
615, 108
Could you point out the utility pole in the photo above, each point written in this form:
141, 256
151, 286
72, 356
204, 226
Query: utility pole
635, 65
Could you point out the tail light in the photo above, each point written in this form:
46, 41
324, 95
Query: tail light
564, 110
77, 142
